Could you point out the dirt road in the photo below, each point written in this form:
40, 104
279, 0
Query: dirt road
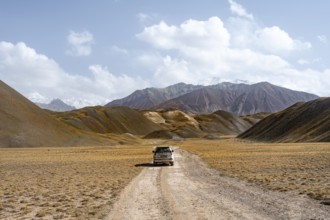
191, 190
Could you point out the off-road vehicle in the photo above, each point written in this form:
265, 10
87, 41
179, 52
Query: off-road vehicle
163, 155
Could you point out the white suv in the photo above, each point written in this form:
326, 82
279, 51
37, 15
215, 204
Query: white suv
163, 155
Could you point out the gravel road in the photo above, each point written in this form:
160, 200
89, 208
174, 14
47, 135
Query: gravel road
191, 190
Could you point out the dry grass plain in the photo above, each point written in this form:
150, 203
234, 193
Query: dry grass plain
65, 183
300, 167
84, 182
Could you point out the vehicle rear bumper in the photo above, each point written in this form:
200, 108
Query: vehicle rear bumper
163, 160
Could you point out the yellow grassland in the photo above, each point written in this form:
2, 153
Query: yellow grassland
65, 183
301, 167
84, 182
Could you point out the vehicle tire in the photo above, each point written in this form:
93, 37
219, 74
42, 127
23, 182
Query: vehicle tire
172, 163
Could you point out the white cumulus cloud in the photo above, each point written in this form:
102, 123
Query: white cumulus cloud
201, 51
276, 40
41, 79
191, 33
239, 10
80, 43
161, 35
114, 85
204, 52
251, 34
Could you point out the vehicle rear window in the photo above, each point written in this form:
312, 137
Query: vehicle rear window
162, 149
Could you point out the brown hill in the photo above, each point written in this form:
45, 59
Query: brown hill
301, 122
222, 122
255, 118
172, 124
117, 120
192, 126
161, 134
23, 124
179, 123
122, 120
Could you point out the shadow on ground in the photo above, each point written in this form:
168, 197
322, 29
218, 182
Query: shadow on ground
150, 165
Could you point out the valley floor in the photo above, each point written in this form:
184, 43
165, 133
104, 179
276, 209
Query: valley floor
191, 190
65, 183
211, 179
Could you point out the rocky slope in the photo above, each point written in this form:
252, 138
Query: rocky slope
24, 124
169, 124
117, 120
240, 99
149, 97
302, 122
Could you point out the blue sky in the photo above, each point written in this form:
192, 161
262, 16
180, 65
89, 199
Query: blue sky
90, 52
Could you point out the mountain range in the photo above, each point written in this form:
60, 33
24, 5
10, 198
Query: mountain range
56, 105
24, 124
240, 99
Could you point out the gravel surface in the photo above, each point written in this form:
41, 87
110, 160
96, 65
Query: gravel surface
191, 190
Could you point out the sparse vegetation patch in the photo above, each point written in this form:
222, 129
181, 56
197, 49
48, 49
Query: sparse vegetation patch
301, 167
65, 183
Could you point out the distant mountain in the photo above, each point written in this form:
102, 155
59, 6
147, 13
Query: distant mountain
24, 124
150, 97
240, 99
265, 97
56, 105
204, 100
302, 122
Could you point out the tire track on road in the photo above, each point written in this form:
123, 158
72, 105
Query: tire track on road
191, 190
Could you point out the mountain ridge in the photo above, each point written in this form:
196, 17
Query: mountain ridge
302, 122
24, 124
155, 124
150, 97
240, 99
